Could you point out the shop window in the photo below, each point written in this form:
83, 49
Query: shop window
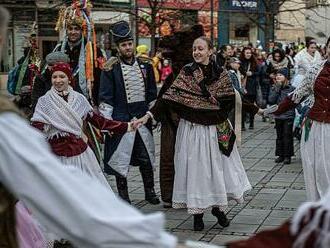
242, 31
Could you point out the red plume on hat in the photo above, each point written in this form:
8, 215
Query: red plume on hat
63, 67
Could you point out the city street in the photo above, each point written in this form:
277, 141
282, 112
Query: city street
277, 192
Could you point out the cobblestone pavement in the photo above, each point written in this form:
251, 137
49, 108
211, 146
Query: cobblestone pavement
277, 192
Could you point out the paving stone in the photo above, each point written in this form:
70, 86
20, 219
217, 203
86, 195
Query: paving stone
285, 214
295, 195
255, 212
289, 204
183, 236
263, 196
277, 184
246, 219
241, 228
277, 192
188, 225
271, 221
262, 203
256, 176
272, 191
285, 177
265, 228
224, 239
177, 215
172, 223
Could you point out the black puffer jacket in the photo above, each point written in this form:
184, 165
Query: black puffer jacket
42, 84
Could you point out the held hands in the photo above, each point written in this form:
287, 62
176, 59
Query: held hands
144, 119
267, 111
270, 110
261, 111
134, 125
137, 123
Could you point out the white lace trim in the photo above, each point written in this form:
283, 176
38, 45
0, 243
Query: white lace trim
182, 205
306, 88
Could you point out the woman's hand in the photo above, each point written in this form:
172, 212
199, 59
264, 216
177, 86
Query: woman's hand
144, 119
261, 111
134, 125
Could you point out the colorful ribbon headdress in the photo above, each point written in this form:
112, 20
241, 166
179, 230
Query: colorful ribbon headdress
79, 14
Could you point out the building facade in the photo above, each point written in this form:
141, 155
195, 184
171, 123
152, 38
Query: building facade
290, 22
44, 13
247, 21
317, 20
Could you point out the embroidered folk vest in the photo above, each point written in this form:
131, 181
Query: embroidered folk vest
7, 200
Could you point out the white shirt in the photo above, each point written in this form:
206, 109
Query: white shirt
68, 203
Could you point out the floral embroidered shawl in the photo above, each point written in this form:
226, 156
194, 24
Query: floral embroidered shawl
186, 89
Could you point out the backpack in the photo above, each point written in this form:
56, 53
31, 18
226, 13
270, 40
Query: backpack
12, 79
16, 76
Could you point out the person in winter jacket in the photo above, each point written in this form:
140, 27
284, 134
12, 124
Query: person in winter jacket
249, 69
283, 122
307, 57
277, 62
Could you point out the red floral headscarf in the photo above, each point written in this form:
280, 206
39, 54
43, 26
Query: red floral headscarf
64, 67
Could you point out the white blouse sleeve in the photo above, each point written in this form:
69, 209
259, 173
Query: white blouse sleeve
67, 202
304, 89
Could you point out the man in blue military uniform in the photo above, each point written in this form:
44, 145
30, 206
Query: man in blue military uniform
127, 91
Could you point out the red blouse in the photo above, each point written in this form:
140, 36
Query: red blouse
71, 145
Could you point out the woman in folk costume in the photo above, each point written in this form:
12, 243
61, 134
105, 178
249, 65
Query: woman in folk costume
60, 114
316, 129
208, 168
29, 171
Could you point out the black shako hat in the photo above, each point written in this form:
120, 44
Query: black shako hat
121, 31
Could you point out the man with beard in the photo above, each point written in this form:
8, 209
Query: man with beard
75, 45
127, 91
67, 202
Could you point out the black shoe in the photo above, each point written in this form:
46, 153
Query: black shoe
287, 161
62, 244
122, 189
222, 218
151, 196
198, 222
123, 194
167, 204
279, 160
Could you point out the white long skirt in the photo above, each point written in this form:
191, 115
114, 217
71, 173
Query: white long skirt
204, 177
315, 156
87, 163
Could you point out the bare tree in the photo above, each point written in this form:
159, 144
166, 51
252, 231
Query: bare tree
265, 18
156, 14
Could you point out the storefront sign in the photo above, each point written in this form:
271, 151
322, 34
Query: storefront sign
244, 5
